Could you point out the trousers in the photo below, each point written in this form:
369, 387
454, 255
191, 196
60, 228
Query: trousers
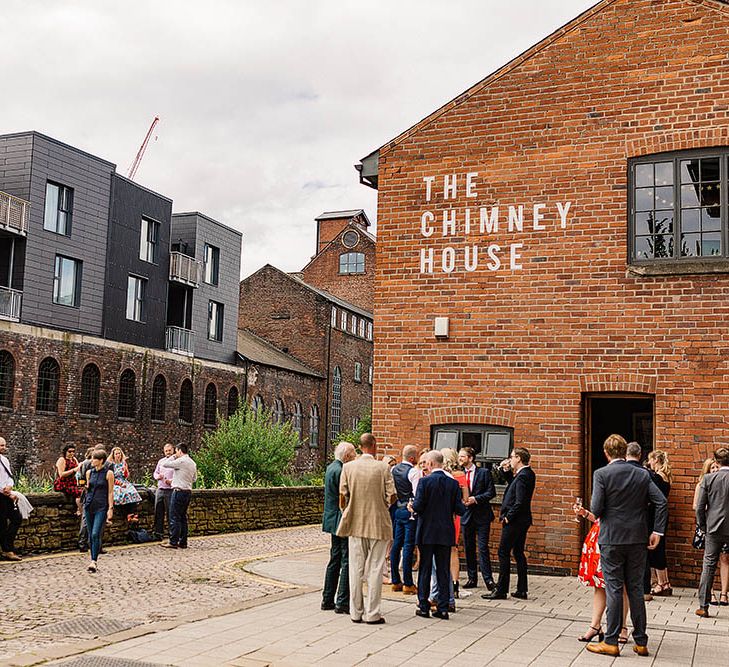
472, 534
9, 523
403, 540
178, 516
336, 579
513, 539
440, 555
712, 551
366, 559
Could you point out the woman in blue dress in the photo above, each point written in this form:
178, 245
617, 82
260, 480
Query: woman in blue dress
99, 502
126, 496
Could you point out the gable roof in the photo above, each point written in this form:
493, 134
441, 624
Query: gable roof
341, 215
258, 350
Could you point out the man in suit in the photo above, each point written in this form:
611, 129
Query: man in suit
516, 517
336, 579
633, 455
404, 475
366, 491
620, 496
712, 516
477, 520
10, 518
437, 499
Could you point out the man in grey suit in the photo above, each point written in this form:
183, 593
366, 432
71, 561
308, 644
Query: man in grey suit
620, 496
712, 516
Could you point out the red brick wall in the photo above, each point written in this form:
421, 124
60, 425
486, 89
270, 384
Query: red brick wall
328, 230
633, 78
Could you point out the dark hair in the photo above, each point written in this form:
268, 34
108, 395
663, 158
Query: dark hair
99, 455
182, 447
470, 451
721, 456
522, 453
66, 448
89, 452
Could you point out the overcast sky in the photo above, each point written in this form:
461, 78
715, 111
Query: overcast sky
265, 105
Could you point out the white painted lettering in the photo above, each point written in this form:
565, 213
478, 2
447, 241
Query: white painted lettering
449, 223
471, 262
449, 187
516, 218
470, 185
467, 222
563, 211
539, 216
495, 262
425, 229
514, 255
489, 223
449, 259
426, 260
428, 186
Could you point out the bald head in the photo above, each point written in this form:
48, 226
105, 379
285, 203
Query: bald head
410, 454
434, 459
368, 444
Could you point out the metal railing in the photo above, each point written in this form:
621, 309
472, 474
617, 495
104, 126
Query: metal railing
185, 269
180, 340
10, 302
14, 214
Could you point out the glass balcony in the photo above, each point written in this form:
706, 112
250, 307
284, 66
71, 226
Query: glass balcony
185, 269
14, 214
180, 340
10, 300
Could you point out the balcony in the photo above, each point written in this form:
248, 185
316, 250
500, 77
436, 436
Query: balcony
14, 214
185, 269
180, 340
10, 300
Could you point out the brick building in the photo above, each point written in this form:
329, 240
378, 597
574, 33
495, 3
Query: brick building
553, 260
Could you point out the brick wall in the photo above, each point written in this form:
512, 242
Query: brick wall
526, 346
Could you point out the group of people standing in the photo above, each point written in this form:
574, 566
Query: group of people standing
424, 501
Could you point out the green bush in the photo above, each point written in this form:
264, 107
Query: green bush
364, 425
247, 449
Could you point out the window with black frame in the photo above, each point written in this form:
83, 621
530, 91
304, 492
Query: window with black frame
7, 379
678, 211
90, 387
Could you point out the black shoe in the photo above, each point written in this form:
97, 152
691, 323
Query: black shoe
470, 584
379, 621
491, 585
443, 615
356, 620
341, 610
494, 596
451, 608
327, 606
519, 595
455, 590
182, 546
423, 614
83, 550
102, 550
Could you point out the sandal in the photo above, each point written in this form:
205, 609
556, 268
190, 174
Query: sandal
591, 634
662, 590
623, 637
724, 600
714, 600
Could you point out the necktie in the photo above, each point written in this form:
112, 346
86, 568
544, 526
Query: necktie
468, 479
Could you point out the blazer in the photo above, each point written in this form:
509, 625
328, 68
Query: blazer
483, 490
332, 514
437, 499
620, 496
517, 503
712, 507
367, 487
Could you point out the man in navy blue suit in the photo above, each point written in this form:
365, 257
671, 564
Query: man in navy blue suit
437, 499
516, 517
477, 520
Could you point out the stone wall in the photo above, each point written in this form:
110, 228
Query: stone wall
53, 525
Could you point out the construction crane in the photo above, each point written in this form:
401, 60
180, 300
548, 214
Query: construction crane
140, 153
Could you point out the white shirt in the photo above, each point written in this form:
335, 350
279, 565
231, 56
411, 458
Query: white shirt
5, 478
472, 472
185, 472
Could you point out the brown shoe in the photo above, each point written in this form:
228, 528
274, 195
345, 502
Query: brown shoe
703, 612
396, 588
641, 650
10, 555
410, 590
604, 649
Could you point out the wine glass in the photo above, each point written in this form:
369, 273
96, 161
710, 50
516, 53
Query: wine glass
578, 504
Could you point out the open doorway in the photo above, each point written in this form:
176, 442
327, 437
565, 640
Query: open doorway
629, 415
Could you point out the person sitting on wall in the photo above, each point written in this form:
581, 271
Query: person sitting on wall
10, 517
66, 468
126, 496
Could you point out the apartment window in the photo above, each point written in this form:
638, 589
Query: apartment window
149, 241
49, 376
212, 264
127, 406
159, 399
215, 321
362, 328
185, 412
279, 411
67, 282
210, 414
336, 403
343, 320
357, 371
314, 426
7, 379
353, 325
371, 375
369, 330
136, 291
233, 401
297, 421
334, 316
352, 262
59, 206
90, 387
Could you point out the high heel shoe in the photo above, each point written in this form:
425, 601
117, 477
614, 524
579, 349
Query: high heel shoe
662, 590
724, 600
714, 600
455, 590
591, 634
623, 637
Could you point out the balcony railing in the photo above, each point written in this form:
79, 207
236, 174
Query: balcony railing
180, 340
14, 214
185, 269
10, 300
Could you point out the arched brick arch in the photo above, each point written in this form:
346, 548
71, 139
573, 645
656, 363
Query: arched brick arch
472, 414
705, 137
625, 382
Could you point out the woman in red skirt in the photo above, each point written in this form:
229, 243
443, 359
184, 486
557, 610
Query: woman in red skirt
66, 468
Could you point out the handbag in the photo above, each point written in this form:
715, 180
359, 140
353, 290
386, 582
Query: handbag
699, 540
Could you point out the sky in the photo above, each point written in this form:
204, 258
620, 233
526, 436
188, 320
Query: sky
265, 105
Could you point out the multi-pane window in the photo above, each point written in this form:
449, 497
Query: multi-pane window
336, 403
49, 375
279, 411
67, 281
369, 330
127, 404
149, 241
159, 399
334, 316
215, 321
136, 292
362, 328
90, 387
371, 375
233, 401
297, 421
678, 210
353, 325
210, 414
314, 426
211, 259
58, 210
352, 262
7, 379
357, 371
185, 412
343, 320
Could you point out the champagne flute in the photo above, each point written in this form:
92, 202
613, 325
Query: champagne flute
578, 504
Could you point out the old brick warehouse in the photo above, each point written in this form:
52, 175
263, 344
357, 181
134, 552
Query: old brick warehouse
553, 257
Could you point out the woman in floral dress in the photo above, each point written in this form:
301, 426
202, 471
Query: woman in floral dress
126, 496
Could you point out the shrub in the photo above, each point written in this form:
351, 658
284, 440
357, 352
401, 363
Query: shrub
364, 425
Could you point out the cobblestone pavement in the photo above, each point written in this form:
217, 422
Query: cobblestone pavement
52, 599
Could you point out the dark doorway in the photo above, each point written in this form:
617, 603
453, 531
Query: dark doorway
629, 415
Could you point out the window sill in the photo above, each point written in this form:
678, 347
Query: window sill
683, 268
126, 419
48, 413
157, 421
83, 416
182, 422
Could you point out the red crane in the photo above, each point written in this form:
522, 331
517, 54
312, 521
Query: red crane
140, 153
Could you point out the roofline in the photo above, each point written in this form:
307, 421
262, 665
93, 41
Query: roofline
370, 237
360, 211
35, 133
209, 219
141, 187
308, 371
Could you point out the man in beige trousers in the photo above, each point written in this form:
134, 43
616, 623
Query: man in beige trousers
366, 490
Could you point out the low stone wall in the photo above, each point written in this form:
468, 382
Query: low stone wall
53, 525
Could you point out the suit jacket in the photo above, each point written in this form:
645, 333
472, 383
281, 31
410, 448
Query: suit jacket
712, 507
332, 513
367, 487
517, 503
483, 490
437, 499
620, 496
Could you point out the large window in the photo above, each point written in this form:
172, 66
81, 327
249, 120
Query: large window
215, 321
336, 403
677, 207
297, 421
136, 292
279, 411
159, 399
352, 262
59, 206
212, 264
149, 241
491, 443
233, 401
67, 281
49, 377
90, 387
7, 379
314, 426
127, 394
186, 402
258, 405
357, 371
210, 413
